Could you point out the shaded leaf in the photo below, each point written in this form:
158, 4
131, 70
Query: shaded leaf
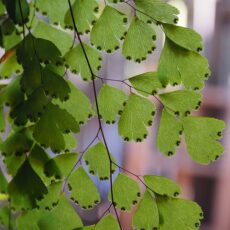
201, 135
108, 30
82, 189
146, 216
179, 65
26, 187
146, 84
137, 115
3, 183
60, 166
78, 104
169, 133
98, 160
162, 185
77, 63
156, 11
125, 192
84, 15
56, 121
111, 102
139, 41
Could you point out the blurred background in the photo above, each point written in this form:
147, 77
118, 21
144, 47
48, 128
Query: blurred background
207, 185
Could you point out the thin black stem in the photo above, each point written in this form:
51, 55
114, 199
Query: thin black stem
97, 109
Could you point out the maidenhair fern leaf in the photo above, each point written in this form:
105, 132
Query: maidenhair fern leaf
10, 66
3, 183
156, 11
178, 214
146, 216
38, 159
56, 220
75, 60
82, 189
61, 166
179, 65
84, 15
54, 9
139, 41
162, 185
201, 136
181, 102
26, 187
107, 222
169, 133
78, 104
111, 103
146, 84
60, 38
126, 192
55, 85
50, 128
70, 142
98, 160
51, 199
108, 30
18, 11
5, 221
137, 115
184, 37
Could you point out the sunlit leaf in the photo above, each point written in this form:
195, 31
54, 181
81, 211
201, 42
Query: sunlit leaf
137, 116
107, 222
108, 30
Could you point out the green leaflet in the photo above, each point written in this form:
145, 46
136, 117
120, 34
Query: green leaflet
181, 102
10, 41
201, 135
75, 60
84, 15
156, 11
26, 187
179, 65
60, 166
18, 12
56, 220
5, 222
169, 133
54, 9
60, 38
139, 41
82, 189
162, 185
107, 222
184, 37
53, 123
55, 85
146, 84
51, 199
12, 94
10, 66
137, 115
16, 143
31, 109
78, 104
146, 216
111, 103
125, 192
3, 183
38, 158
178, 214
70, 142
108, 30
98, 160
